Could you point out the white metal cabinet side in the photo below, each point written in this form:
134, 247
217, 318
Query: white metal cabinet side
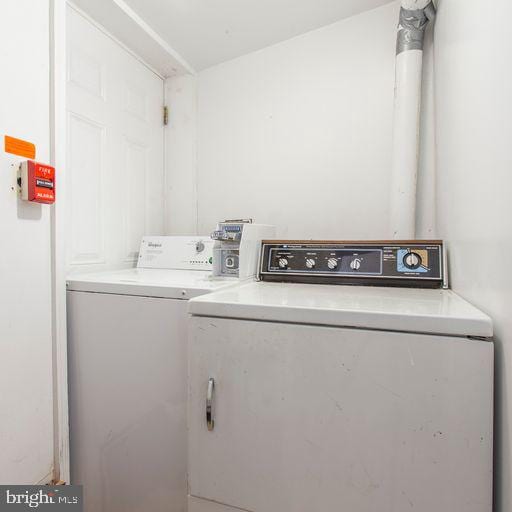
128, 401
318, 418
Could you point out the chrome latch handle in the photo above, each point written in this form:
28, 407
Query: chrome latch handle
210, 422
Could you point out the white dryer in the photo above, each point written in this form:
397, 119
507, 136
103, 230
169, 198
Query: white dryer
311, 397
128, 376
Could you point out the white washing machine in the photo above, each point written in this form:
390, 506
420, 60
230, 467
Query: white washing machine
128, 376
313, 397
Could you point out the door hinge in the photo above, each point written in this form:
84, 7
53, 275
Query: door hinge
166, 115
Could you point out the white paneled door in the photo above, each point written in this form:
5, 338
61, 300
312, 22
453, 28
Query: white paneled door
115, 149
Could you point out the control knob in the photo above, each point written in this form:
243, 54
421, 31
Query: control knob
412, 260
355, 264
283, 263
310, 263
332, 263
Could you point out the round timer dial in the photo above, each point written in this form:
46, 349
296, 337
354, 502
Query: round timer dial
412, 260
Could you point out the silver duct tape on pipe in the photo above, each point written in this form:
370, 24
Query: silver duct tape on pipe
430, 11
411, 29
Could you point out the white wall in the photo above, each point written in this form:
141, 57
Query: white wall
297, 134
26, 425
474, 137
181, 156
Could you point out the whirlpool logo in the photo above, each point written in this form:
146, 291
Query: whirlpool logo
36, 497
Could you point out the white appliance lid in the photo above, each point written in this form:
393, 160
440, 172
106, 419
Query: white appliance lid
394, 309
176, 284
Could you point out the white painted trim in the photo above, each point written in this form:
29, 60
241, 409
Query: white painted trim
102, 29
165, 180
166, 61
46, 480
151, 33
196, 154
58, 130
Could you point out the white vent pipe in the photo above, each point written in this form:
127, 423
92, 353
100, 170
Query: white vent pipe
414, 18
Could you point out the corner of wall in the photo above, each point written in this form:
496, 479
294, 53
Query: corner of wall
181, 215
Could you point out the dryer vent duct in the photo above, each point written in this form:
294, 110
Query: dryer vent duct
415, 15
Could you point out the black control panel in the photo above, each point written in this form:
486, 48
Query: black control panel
417, 263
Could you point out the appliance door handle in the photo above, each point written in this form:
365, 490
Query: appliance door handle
210, 422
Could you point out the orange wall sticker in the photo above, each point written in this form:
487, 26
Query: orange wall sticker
19, 147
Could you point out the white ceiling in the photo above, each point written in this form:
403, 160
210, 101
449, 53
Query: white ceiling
207, 32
